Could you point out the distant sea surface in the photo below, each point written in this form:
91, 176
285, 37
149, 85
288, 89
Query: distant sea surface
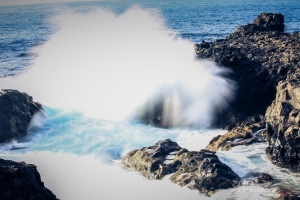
24, 27
108, 62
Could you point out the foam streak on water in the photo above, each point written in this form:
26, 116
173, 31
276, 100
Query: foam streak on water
86, 152
109, 65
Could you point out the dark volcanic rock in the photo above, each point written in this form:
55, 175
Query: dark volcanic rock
273, 22
16, 112
264, 22
204, 171
152, 161
197, 170
22, 181
247, 133
283, 122
259, 55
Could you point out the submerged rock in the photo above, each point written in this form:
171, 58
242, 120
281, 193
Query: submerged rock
283, 122
16, 112
22, 181
249, 132
201, 170
259, 55
259, 177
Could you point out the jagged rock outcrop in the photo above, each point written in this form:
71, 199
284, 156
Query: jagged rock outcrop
264, 22
201, 170
274, 22
22, 181
259, 55
16, 112
249, 132
153, 162
283, 122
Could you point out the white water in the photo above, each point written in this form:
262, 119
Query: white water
106, 66
109, 66
86, 152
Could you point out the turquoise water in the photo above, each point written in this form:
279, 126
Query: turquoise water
31, 38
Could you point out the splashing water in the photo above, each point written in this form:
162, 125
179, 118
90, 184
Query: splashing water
113, 66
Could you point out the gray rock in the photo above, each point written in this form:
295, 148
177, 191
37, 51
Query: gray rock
22, 181
16, 112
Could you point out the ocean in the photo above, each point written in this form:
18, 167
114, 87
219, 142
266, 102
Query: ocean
95, 66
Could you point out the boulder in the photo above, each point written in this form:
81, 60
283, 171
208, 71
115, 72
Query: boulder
283, 122
249, 132
16, 112
22, 181
201, 170
154, 162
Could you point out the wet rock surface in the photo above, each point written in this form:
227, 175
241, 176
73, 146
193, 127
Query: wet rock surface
250, 131
259, 55
152, 161
22, 181
265, 64
201, 170
16, 112
259, 178
283, 122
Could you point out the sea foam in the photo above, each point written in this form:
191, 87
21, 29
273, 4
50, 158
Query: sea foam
111, 66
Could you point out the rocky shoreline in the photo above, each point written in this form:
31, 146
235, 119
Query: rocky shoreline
259, 56
19, 180
265, 64
262, 58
